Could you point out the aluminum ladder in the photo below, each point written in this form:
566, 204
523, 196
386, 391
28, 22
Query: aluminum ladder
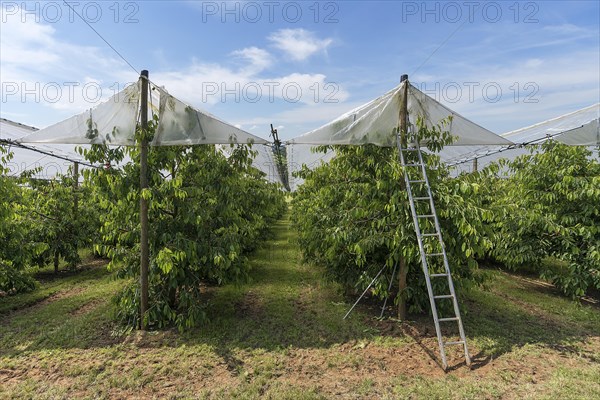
431, 245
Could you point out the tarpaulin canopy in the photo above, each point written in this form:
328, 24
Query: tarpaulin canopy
375, 122
47, 161
114, 122
299, 155
111, 122
579, 128
263, 160
576, 128
181, 124
51, 160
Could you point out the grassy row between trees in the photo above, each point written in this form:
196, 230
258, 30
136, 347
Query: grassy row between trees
281, 336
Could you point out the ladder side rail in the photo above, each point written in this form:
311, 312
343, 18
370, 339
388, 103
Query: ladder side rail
424, 262
445, 257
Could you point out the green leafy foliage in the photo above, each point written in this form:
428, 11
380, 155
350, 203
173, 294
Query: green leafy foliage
548, 206
353, 217
206, 211
62, 218
15, 250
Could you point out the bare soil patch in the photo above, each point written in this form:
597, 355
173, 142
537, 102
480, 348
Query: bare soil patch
250, 306
87, 307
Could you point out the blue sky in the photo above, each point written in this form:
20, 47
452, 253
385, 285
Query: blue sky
298, 64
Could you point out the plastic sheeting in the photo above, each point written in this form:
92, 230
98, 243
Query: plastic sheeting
114, 121
299, 155
581, 128
51, 160
375, 122
181, 124
111, 122
264, 161
54, 160
576, 128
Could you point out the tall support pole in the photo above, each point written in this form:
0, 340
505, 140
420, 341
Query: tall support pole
75, 189
402, 267
144, 245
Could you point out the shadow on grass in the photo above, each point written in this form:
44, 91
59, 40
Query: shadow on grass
49, 275
515, 313
287, 304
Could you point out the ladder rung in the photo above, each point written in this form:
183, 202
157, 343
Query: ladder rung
423, 193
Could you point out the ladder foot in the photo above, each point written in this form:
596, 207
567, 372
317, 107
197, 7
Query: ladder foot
418, 189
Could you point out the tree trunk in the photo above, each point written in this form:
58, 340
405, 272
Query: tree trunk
402, 273
56, 260
173, 298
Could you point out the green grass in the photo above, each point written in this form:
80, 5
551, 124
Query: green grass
287, 303
281, 336
513, 313
52, 320
51, 283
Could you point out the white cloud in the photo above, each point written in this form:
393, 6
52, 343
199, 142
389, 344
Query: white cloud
258, 59
204, 83
519, 92
54, 73
568, 29
213, 83
533, 63
299, 44
33, 55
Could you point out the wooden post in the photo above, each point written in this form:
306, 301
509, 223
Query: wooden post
75, 189
475, 164
144, 245
402, 267
75, 197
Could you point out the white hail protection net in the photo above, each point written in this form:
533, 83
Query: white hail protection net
47, 160
579, 128
299, 155
375, 122
181, 124
111, 122
114, 121
264, 160
576, 128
